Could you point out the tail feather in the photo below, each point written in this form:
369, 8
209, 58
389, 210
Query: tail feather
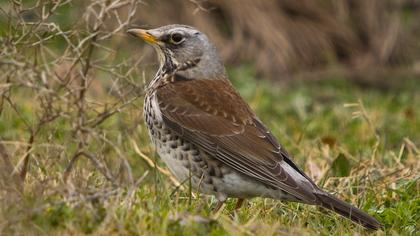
330, 202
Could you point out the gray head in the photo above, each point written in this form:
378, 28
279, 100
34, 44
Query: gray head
184, 49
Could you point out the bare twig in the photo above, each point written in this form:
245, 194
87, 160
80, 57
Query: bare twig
57, 82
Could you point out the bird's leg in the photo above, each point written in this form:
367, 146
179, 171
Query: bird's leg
218, 206
239, 203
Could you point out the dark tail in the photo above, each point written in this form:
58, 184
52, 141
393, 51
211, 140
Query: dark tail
345, 209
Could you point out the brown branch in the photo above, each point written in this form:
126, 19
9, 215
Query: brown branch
46, 88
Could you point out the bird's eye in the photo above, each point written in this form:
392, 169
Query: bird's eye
177, 38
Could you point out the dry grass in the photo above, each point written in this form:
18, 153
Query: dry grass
75, 156
54, 108
284, 37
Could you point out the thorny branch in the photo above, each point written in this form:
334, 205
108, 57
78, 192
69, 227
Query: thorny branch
58, 83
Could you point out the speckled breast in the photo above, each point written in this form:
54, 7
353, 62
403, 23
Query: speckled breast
183, 158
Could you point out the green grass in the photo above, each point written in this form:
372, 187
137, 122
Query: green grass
362, 144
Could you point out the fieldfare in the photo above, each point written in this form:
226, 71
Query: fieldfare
202, 129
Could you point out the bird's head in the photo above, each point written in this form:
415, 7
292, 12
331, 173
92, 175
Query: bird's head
182, 47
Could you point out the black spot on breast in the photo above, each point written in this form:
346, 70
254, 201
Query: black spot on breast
174, 145
196, 158
211, 171
187, 164
208, 180
186, 147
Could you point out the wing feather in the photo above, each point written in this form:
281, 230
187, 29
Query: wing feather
212, 115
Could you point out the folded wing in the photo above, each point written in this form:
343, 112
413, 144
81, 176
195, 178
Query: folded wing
212, 115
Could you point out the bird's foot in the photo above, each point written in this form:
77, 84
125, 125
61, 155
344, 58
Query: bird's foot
234, 214
239, 204
218, 207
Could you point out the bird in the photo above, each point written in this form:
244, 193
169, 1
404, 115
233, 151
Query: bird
206, 133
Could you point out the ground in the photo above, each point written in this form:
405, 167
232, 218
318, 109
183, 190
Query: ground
360, 143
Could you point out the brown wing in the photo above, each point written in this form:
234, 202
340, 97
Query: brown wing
212, 115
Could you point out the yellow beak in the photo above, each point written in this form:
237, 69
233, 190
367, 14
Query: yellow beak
143, 34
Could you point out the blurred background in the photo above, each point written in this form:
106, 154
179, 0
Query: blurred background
337, 81
370, 42
366, 40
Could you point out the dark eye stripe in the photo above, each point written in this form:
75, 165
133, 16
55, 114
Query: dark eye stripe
165, 38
